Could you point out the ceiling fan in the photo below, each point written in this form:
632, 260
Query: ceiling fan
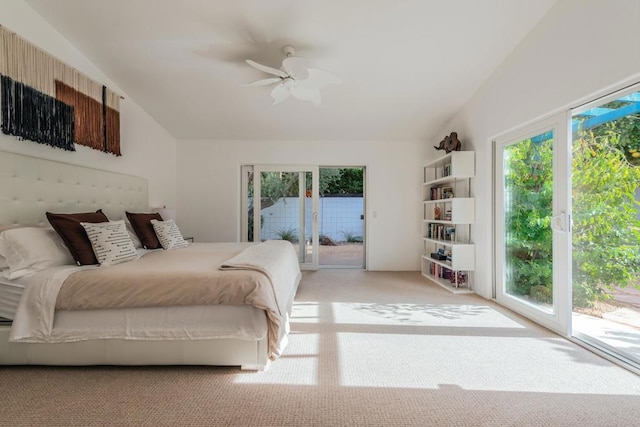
294, 78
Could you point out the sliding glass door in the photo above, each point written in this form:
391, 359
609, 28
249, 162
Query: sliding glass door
567, 223
281, 203
532, 223
606, 232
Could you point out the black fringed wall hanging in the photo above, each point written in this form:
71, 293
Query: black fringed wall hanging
45, 99
33, 115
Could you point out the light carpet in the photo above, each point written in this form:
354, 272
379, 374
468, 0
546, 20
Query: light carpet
366, 349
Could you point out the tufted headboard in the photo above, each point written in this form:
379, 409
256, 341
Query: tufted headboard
30, 186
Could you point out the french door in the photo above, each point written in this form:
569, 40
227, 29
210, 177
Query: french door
281, 203
533, 222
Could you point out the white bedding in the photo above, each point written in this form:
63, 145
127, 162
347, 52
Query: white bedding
37, 320
10, 292
160, 323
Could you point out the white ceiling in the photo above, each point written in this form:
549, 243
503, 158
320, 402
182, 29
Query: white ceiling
407, 66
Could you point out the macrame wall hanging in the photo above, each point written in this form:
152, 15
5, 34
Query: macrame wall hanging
46, 101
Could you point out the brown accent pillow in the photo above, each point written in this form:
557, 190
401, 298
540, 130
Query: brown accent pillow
141, 223
73, 234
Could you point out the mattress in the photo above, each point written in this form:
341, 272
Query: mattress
156, 323
10, 292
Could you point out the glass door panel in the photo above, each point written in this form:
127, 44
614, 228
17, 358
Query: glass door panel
532, 225
606, 230
528, 208
284, 208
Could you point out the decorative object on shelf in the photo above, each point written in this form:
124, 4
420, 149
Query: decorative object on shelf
449, 143
438, 256
461, 278
437, 212
46, 101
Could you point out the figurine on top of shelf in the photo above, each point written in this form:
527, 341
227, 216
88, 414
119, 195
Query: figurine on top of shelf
449, 143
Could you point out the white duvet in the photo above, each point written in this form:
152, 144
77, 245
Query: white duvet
36, 319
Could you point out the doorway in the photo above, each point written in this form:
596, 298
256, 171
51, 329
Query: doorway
320, 210
341, 217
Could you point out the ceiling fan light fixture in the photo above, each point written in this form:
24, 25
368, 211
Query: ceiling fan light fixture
289, 51
294, 78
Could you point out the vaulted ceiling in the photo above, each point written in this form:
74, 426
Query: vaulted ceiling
406, 66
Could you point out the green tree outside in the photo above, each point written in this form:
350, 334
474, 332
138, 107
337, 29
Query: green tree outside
606, 229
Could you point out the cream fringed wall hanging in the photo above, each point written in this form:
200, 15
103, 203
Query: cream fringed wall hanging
46, 101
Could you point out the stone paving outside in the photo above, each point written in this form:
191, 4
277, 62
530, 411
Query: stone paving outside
347, 254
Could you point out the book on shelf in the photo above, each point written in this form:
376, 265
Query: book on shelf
441, 232
456, 278
439, 271
439, 193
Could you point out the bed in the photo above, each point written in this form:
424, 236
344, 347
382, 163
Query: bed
225, 328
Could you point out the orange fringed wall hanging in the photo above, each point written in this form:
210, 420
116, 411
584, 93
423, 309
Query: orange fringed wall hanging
49, 102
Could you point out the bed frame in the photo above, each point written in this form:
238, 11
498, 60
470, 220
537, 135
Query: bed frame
31, 186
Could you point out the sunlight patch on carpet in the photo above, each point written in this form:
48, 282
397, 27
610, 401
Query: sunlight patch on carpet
297, 366
449, 315
305, 312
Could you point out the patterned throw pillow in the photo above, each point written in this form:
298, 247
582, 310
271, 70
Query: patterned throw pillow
168, 234
111, 242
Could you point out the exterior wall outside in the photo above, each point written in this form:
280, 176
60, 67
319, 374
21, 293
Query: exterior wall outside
548, 72
337, 217
148, 150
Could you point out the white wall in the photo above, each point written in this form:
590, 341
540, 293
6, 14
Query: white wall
209, 189
579, 49
147, 149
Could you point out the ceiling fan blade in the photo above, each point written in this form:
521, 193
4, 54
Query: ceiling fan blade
306, 94
318, 79
267, 69
280, 93
263, 82
296, 66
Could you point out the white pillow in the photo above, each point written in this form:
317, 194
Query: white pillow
3, 263
110, 242
168, 234
31, 249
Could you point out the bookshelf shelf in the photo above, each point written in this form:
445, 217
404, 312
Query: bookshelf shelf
448, 212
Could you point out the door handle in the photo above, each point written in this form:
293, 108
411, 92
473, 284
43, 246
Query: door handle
561, 222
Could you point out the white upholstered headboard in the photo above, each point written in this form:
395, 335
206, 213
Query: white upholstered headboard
29, 187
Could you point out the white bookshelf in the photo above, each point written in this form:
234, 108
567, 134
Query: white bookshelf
448, 213
463, 210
